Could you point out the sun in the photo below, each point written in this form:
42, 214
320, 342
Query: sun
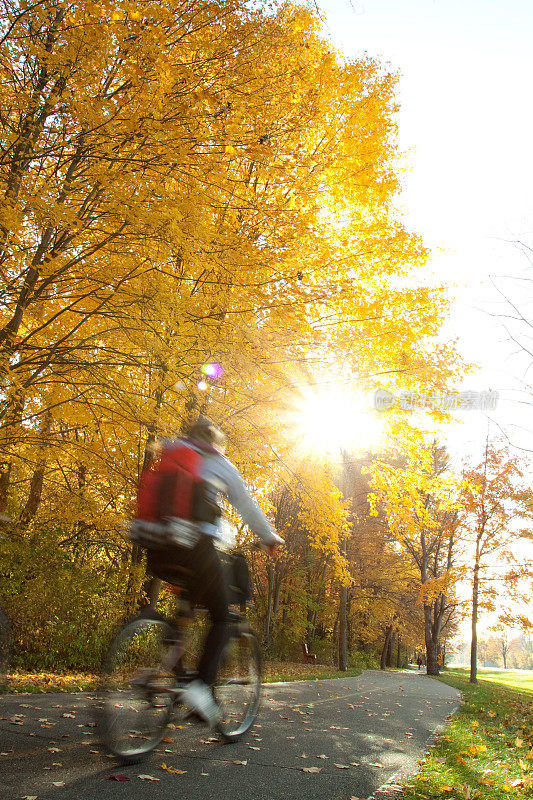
332, 418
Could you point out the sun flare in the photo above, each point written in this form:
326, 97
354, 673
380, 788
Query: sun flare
331, 419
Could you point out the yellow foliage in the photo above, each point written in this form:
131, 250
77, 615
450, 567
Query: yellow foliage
136, 246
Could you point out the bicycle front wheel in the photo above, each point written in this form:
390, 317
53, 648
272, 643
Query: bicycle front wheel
238, 685
136, 696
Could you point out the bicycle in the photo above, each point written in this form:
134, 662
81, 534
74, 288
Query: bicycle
144, 677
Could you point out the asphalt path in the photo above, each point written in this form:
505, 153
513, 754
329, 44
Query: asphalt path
360, 734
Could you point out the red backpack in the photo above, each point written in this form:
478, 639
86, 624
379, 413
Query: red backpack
167, 499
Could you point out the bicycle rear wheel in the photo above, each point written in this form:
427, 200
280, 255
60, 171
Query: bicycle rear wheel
136, 697
238, 685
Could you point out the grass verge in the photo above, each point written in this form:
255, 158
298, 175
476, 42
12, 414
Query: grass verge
277, 671
273, 671
487, 750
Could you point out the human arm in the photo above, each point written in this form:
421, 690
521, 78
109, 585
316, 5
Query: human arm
242, 500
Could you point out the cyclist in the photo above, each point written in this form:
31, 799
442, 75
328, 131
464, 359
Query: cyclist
201, 568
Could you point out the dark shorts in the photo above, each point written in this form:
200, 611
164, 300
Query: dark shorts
203, 570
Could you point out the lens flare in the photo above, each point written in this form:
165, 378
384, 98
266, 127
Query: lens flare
212, 370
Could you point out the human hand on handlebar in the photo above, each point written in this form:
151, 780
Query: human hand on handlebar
270, 548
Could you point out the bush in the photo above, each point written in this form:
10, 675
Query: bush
362, 660
63, 610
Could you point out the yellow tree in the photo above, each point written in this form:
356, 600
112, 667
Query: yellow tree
418, 494
170, 176
182, 183
310, 515
384, 590
496, 512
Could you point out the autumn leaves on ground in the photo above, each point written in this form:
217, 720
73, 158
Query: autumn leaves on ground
194, 183
487, 750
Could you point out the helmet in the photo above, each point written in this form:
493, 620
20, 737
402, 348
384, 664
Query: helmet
205, 430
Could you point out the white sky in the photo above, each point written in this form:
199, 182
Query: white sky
466, 125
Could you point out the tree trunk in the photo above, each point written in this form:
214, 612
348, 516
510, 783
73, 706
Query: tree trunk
5, 477
505, 647
399, 652
475, 600
385, 650
390, 649
8, 442
268, 618
34, 497
432, 665
343, 649
314, 614
150, 590
33, 500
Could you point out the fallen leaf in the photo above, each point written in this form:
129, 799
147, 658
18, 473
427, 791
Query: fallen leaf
58, 783
342, 766
241, 763
147, 778
311, 769
173, 770
322, 756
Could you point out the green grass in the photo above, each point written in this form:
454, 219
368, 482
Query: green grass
487, 750
522, 681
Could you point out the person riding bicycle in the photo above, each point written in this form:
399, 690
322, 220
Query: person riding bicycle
200, 567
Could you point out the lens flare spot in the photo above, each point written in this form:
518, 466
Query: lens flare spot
212, 370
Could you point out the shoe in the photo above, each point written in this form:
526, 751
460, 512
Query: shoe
198, 698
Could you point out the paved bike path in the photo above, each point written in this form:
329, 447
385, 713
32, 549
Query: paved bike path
358, 732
